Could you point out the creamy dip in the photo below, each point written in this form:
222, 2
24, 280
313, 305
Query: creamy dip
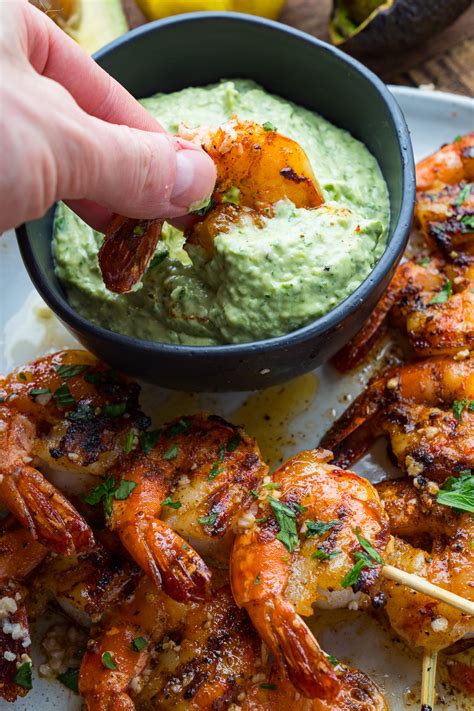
258, 283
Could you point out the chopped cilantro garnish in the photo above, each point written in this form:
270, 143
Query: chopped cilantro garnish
368, 547
101, 377
456, 139
70, 679
257, 580
332, 660
286, 519
63, 396
178, 427
129, 441
272, 485
319, 554
442, 296
459, 407
107, 491
269, 126
115, 409
82, 413
458, 492
22, 376
215, 469
299, 508
233, 443
352, 577
264, 519
70, 371
208, 520
172, 504
470, 407
319, 528
464, 194
124, 489
468, 220
108, 661
138, 230
149, 439
254, 493
22, 676
34, 392
139, 643
424, 262
171, 452
267, 685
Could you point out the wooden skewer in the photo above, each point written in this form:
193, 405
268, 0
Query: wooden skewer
428, 680
423, 586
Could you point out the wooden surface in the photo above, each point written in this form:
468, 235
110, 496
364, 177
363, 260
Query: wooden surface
445, 61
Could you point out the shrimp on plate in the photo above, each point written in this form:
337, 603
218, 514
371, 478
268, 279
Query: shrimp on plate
262, 165
432, 298
20, 554
434, 541
426, 410
315, 528
165, 655
189, 488
65, 411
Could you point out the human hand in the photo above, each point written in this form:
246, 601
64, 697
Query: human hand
68, 131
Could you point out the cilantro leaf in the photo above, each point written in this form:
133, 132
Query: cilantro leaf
352, 577
215, 469
34, 392
63, 396
108, 661
458, 408
70, 679
158, 258
269, 126
139, 643
318, 528
464, 194
82, 413
149, 439
458, 492
23, 677
172, 504
442, 296
171, 452
233, 443
468, 220
70, 371
319, 554
124, 489
208, 520
178, 427
368, 547
107, 491
286, 519
129, 441
267, 685
115, 409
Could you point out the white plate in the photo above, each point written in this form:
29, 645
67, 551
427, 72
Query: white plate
299, 414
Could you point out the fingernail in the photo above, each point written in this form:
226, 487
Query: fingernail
195, 177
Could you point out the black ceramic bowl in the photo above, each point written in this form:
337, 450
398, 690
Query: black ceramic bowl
199, 49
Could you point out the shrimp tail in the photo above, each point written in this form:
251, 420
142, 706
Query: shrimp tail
41, 508
184, 575
306, 663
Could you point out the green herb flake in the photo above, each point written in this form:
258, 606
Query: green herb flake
332, 660
286, 519
178, 427
172, 504
470, 407
254, 493
319, 528
459, 407
124, 489
458, 492
233, 443
149, 439
442, 296
108, 661
23, 676
70, 679
267, 685
269, 126
208, 520
63, 396
139, 644
319, 554
373, 554
456, 139
82, 413
66, 372
116, 409
352, 577
464, 194
272, 485
129, 441
424, 262
104, 492
101, 377
264, 519
22, 376
34, 392
138, 231
299, 508
257, 580
468, 220
171, 452
215, 469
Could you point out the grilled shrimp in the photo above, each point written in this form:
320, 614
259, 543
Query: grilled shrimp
188, 490
433, 300
310, 528
435, 542
262, 165
20, 554
165, 655
426, 410
67, 410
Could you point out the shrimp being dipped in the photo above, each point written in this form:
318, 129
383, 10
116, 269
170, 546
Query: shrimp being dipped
312, 529
165, 655
66, 410
20, 554
424, 408
435, 542
188, 489
432, 299
261, 165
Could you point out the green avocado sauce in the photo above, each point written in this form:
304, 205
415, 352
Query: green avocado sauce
259, 283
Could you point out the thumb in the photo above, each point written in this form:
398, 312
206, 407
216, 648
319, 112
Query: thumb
135, 173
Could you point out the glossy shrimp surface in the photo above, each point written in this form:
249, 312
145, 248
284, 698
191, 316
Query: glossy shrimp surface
263, 166
188, 490
424, 408
66, 410
435, 542
449, 165
305, 538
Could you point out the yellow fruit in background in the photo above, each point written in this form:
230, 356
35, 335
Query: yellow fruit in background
155, 9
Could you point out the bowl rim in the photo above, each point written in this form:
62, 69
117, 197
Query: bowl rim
319, 326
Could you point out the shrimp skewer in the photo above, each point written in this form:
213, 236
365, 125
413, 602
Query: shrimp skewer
66, 410
263, 165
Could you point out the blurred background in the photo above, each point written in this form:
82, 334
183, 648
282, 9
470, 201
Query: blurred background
427, 43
